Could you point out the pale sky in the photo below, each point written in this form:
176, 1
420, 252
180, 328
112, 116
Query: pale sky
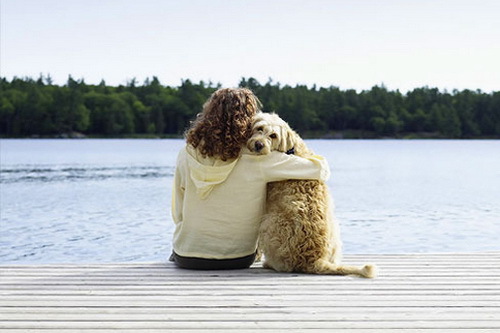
449, 44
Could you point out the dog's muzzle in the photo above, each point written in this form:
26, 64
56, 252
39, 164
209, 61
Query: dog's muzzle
258, 146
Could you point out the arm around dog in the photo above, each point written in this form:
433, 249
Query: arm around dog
279, 166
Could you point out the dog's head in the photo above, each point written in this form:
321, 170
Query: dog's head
271, 133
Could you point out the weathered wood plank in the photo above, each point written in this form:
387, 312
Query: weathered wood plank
434, 270
123, 290
431, 292
200, 303
251, 314
236, 280
201, 329
278, 324
473, 258
394, 262
268, 298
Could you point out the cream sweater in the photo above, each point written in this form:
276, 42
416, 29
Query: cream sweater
217, 206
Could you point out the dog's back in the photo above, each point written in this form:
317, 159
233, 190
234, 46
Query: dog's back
296, 230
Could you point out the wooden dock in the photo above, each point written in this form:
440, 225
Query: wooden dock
421, 292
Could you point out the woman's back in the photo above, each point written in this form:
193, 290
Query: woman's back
218, 205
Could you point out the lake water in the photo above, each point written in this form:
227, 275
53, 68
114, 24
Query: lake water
109, 200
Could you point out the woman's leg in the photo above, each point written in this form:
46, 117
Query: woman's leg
208, 264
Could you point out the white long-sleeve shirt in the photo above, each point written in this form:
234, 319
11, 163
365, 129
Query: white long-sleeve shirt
217, 205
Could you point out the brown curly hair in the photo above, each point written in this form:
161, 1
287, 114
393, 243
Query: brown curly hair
224, 125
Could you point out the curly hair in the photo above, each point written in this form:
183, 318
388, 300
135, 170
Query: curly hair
224, 125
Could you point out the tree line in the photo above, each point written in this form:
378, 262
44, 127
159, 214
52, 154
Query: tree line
31, 107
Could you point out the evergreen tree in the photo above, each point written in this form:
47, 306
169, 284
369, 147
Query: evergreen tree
38, 107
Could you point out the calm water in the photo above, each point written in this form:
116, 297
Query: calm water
109, 200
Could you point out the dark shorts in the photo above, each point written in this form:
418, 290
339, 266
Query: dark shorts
208, 264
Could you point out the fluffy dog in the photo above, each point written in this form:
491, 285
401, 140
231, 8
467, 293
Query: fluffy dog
298, 232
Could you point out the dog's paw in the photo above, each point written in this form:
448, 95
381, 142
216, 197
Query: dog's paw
370, 271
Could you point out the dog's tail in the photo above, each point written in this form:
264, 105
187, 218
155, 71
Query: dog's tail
325, 267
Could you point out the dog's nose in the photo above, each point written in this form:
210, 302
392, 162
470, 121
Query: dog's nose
258, 146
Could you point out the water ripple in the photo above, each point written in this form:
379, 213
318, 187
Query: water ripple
44, 174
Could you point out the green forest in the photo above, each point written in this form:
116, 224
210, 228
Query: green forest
39, 108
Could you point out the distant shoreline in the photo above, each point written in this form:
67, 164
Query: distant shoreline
38, 108
332, 135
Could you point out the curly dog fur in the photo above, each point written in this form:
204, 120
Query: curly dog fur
298, 232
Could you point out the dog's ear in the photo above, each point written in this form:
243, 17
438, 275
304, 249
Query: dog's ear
293, 139
282, 144
300, 146
287, 141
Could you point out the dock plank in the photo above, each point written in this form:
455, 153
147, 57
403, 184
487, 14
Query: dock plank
414, 292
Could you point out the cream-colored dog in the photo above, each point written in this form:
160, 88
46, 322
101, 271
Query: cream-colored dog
298, 232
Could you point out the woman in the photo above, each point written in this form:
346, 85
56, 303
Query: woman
219, 191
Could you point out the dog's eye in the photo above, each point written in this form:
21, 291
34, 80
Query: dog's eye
260, 129
273, 136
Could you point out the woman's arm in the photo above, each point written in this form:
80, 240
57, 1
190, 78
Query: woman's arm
279, 166
178, 189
